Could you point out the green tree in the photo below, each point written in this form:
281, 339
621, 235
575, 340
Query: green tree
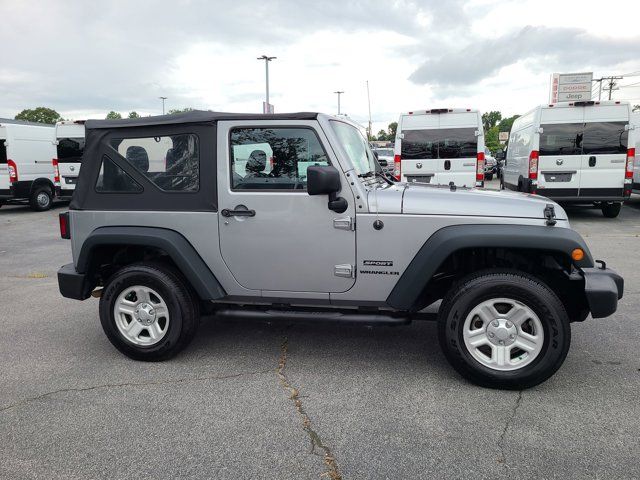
393, 127
113, 115
382, 136
179, 110
506, 123
134, 114
39, 115
491, 119
491, 139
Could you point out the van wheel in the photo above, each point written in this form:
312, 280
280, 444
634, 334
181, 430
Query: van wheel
611, 210
41, 199
149, 312
503, 329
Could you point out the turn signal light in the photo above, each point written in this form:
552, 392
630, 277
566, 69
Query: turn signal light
577, 254
631, 155
13, 171
533, 165
480, 167
56, 171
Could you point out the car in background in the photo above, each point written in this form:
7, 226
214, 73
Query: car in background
385, 159
490, 165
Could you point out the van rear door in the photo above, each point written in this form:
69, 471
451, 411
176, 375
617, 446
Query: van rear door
459, 147
4, 169
419, 147
604, 150
69, 152
560, 151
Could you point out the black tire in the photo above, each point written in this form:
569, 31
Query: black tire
41, 199
488, 284
611, 210
181, 300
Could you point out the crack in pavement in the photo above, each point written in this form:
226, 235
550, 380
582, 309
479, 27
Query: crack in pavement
333, 471
503, 459
131, 384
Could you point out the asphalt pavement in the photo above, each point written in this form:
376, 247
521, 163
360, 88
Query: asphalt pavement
286, 401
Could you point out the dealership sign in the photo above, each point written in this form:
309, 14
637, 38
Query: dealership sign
570, 87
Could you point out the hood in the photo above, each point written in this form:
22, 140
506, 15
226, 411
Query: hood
421, 199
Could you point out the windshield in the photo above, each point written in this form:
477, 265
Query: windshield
355, 146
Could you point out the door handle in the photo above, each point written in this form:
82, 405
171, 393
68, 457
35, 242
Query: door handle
592, 161
447, 164
238, 213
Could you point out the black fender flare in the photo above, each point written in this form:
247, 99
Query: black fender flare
183, 254
447, 240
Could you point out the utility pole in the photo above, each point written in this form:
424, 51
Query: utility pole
163, 99
369, 102
611, 84
339, 93
266, 67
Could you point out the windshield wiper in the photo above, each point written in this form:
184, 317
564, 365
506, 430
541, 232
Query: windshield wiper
376, 174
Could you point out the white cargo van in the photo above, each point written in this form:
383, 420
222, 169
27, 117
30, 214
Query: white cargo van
634, 144
440, 146
26, 170
574, 152
69, 140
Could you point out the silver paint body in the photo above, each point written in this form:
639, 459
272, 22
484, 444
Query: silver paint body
291, 248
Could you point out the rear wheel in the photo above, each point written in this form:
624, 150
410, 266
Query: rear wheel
503, 329
148, 311
41, 199
611, 210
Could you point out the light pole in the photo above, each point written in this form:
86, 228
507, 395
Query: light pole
163, 99
266, 66
339, 93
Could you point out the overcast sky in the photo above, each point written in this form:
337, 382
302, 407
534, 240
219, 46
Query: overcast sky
85, 58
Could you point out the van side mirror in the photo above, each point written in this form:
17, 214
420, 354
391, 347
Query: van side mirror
325, 180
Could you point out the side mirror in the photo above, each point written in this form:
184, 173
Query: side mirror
325, 180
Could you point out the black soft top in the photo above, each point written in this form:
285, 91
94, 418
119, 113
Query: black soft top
101, 135
195, 116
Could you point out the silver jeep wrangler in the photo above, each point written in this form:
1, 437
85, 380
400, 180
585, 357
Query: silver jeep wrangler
289, 216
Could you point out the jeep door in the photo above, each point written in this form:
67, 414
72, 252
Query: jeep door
275, 237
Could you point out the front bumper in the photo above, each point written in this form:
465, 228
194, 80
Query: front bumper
73, 284
603, 288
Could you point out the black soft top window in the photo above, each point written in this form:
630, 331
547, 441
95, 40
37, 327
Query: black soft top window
70, 150
439, 143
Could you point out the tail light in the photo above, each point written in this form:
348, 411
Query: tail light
397, 168
13, 171
631, 155
533, 165
56, 171
65, 232
480, 167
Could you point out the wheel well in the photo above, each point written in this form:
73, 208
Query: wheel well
555, 269
107, 259
39, 182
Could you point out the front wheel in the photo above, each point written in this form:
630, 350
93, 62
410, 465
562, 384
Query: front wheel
504, 329
148, 311
611, 210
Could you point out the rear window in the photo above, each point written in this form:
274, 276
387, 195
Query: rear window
561, 139
439, 143
3, 152
171, 162
595, 138
604, 138
70, 150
